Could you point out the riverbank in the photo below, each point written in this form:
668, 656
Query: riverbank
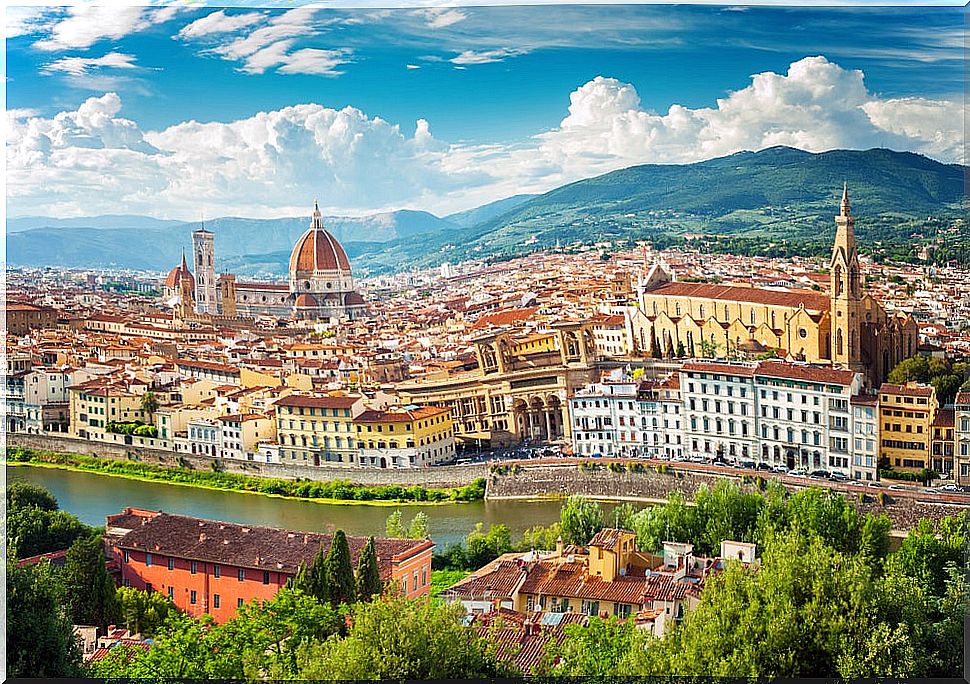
331, 492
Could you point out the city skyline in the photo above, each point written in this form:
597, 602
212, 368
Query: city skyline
169, 111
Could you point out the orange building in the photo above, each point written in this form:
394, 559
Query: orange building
208, 566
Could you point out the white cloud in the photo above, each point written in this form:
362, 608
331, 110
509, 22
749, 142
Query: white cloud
219, 23
440, 17
84, 25
22, 112
82, 65
485, 56
92, 160
25, 21
412, 66
269, 41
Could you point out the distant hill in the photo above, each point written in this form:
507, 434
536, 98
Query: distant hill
779, 192
144, 242
775, 195
472, 217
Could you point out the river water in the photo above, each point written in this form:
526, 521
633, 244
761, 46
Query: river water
91, 497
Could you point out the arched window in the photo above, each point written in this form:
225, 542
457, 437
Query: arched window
839, 278
839, 345
727, 313
702, 311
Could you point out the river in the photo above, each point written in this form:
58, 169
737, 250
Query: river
91, 497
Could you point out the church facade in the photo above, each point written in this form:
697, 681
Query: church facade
320, 284
845, 327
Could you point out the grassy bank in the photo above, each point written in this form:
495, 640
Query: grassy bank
338, 491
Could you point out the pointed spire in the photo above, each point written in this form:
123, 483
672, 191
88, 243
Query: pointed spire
184, 266
316, 223
845, 200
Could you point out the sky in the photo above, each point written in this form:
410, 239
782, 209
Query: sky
175, 111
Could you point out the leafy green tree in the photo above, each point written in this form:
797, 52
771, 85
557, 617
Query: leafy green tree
368, 581
149, 404
312, 579
394, 527
22, 495
339, 572
539, 537
601, 649
418, 529
483, 546
143, 612
580, 519
398, 639
37, 530
90, 591
40, 636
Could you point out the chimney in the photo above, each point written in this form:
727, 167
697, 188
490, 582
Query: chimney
560, 547
202, 536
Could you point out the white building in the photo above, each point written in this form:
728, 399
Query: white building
961, 424
865, 437
618, 416
719, 410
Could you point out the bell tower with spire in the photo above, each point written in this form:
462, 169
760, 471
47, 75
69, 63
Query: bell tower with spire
846, 291
203, 250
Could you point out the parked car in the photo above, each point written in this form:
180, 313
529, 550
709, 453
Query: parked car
780, 469
748, 464
950, 487
798, 472
819, 475
839, 477
897, 487
764, 466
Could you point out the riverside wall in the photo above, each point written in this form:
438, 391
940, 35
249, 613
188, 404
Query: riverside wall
441, 477
536, 481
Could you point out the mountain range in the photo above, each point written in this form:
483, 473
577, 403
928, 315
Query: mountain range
777, 192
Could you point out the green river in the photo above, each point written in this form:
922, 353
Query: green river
91, 497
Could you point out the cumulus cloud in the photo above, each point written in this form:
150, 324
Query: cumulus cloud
25, 21
485, 56
92, 160
82, 65
84, 25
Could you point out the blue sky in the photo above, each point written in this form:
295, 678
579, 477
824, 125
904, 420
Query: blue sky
256, 111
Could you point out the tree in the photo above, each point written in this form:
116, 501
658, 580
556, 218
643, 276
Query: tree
481, 547
312, 579
418, 529
654, 345
89, 589
580, 519
37, 530
600, 649
340, 573
40, 637
143, 612
22, 495
398, 639
394, 527
368, 581
149, 404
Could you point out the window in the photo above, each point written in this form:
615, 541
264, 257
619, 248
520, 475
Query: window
195, 567
171, 593
193, 597
265, 576
241, 574
216, 601
404, 585
171, 563
239, 603
148, 560
217, 571
126, 557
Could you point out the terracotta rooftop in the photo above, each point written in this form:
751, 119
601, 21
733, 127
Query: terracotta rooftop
906, 390
298, 400
812, 300
249, 546
778, 369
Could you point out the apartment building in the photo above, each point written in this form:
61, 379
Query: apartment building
906, 415
405, 437
617, 416
865, 437
943, 442
671, 412
315, 430
961, 422
97, 402
719, 410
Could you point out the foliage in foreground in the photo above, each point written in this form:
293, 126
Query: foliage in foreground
34, 523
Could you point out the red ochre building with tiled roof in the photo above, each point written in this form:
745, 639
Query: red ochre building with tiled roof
214, 567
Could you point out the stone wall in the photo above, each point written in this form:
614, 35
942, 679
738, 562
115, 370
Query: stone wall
441, 476
565, 479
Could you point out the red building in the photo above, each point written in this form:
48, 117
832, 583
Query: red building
208, 566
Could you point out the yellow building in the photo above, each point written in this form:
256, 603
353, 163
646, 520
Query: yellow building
317, 430
906, 416
96, 403
845, 326
406, 437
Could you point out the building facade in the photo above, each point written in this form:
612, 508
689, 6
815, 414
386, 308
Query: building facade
316, 430
405, 437
906, 415
213, 567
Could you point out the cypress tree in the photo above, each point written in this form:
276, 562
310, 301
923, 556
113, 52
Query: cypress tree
312, 580
89, 589
339, 572
368, 574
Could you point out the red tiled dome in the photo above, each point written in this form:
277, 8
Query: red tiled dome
177, 274
318, 250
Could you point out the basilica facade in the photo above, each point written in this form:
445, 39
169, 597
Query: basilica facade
845, 327
320, 284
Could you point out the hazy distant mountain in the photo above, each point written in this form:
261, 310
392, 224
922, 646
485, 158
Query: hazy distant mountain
144, 242
778, 193
472, 217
